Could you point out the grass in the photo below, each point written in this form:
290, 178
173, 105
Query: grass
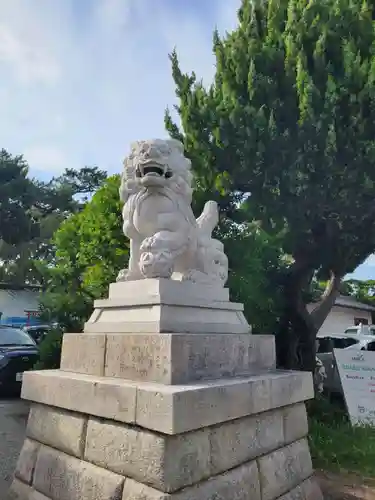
335, 445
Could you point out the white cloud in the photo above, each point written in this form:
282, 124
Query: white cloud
112, 16
46, 159
27, 62
81, 80
28, 41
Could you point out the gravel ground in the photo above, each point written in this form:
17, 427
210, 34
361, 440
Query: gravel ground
13, 416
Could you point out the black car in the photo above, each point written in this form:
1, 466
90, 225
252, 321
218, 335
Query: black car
18, 353
37, 332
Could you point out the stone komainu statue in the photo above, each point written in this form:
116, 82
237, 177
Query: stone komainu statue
165, 237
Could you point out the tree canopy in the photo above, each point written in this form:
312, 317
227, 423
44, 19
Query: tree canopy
17, 194
31, 211
90, 249
363, 291
286, 131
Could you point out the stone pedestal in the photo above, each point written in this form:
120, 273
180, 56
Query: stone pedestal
144, 410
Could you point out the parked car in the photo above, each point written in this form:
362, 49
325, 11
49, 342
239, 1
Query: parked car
326, 344
18, 353
360, 330
37, 332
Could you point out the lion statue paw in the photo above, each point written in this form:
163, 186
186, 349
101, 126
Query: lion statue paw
156, 265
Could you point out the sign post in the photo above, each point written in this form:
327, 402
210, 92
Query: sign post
357, 374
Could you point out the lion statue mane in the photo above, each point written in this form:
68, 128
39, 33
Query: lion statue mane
165, 238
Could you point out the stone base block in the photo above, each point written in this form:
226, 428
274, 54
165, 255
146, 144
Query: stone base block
166, 291
166, 306
165, 462
170, 409
103, 438
260, 457
168, 358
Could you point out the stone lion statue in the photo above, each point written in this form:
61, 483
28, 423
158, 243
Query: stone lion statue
165, 237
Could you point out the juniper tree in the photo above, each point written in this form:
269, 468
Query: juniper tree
286, 131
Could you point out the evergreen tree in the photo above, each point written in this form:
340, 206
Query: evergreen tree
17, 195
31, 211
287, 131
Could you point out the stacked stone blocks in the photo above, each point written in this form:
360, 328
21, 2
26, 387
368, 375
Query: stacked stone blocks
157, 416
73, 456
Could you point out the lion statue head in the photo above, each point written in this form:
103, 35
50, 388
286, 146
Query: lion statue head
156, 163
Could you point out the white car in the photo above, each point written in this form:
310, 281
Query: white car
325, 345
360, 330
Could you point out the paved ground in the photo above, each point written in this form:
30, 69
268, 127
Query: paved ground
13, 416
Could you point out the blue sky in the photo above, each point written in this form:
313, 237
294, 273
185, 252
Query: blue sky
81, 79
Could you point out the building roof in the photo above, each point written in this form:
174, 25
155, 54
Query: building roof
13, 286
352, 303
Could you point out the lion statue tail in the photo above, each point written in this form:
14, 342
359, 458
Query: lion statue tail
209, 218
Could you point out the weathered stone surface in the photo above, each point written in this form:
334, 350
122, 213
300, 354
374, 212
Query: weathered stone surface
26, 461
83, 353
109, 398
216, 318
308, 490
164, 462
166, 306
241, 483
166, 408
35, 495
284, 469
290, 389
176, 409
138, 491
140, 357
182, 358
165, 291
61, 476
57, 428
295, 423
242, 440
19, 490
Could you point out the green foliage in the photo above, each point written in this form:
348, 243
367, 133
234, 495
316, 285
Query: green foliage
364, 291
17, 195
337, 446
83, 182
90, 250
289, 119
255, 260
45, 207
50, 351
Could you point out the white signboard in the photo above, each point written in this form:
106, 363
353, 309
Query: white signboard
357, 374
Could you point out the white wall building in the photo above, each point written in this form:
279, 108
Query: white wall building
346, 312
19, 305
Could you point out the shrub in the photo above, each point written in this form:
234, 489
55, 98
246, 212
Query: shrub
50, 351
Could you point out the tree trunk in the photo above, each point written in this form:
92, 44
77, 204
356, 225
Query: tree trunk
323, 308
296, 339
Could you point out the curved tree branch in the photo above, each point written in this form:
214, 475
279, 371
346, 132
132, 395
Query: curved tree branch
323, 308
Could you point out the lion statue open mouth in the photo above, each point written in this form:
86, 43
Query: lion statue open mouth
165, 237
